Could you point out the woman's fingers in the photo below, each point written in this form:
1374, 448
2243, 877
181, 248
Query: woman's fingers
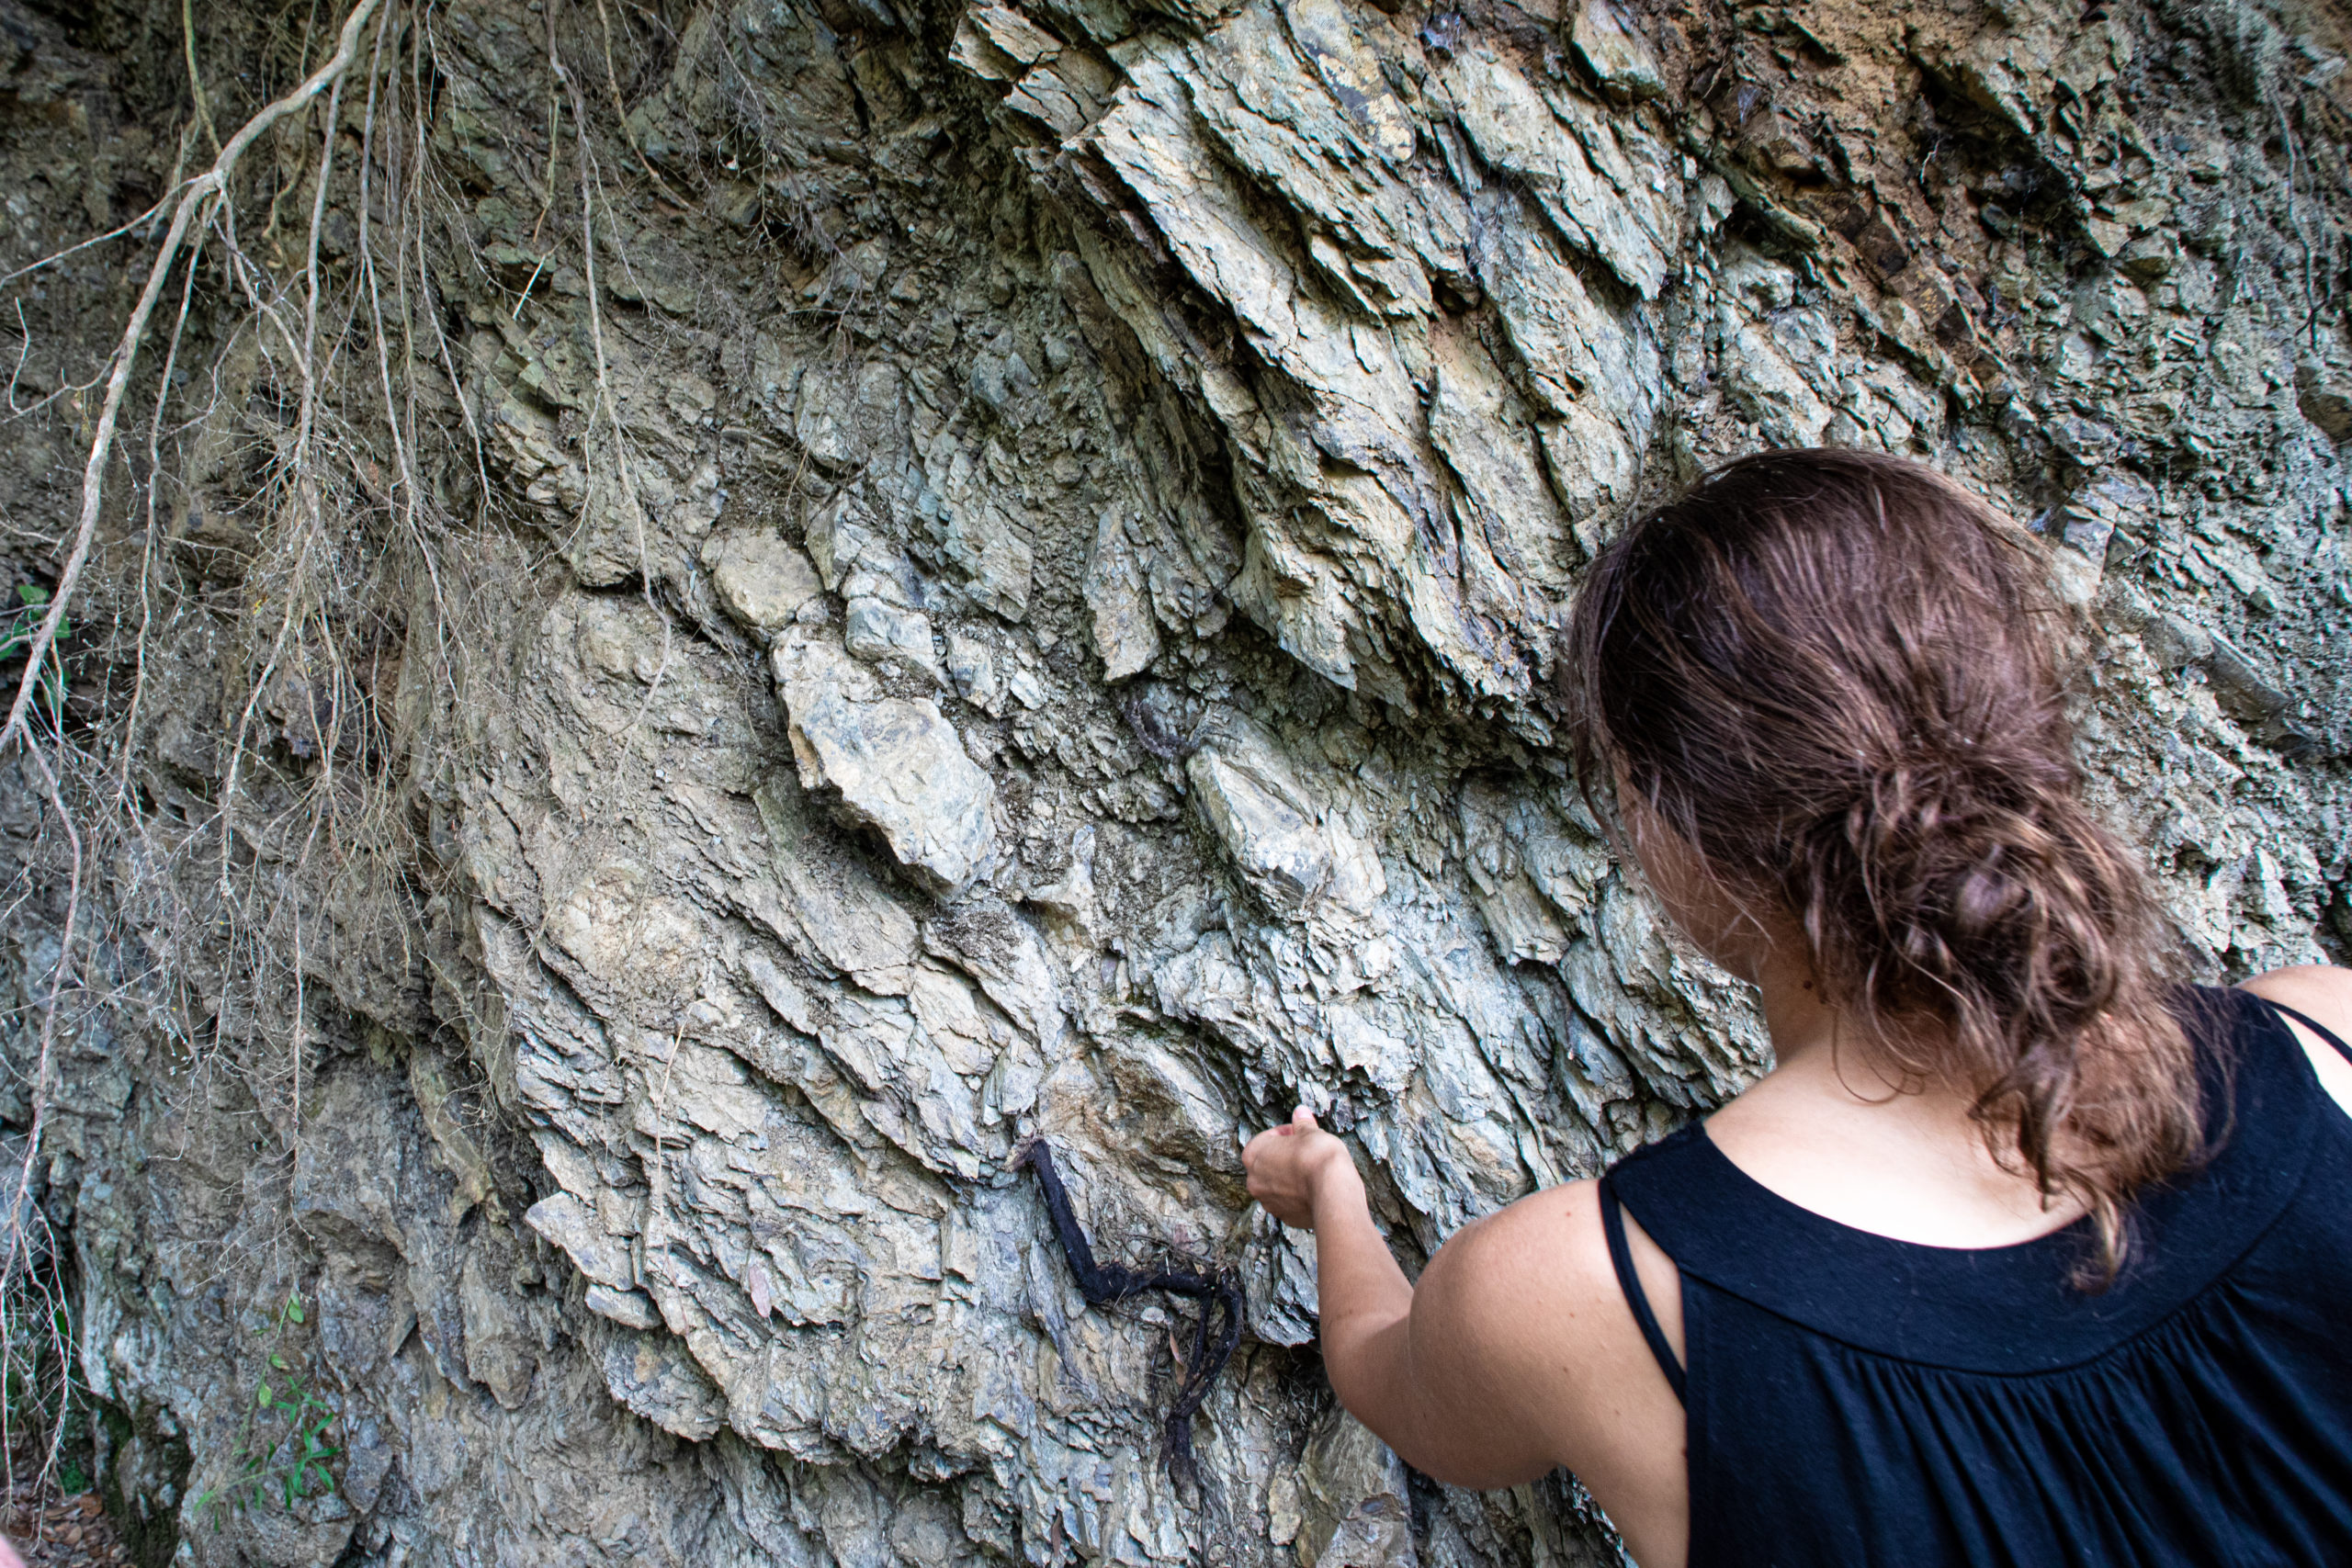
1301, 1121
1284, 1164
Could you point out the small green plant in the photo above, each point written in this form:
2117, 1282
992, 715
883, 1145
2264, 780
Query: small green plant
17, 630
284, 1450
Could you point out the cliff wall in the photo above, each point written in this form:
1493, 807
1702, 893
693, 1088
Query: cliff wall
751, 603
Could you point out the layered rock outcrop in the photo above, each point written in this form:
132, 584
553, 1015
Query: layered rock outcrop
997, 576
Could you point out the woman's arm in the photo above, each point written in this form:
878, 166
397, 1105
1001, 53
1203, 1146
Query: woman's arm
1440, 1372
1514, 1354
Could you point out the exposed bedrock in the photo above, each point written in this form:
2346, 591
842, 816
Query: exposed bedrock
1004, 583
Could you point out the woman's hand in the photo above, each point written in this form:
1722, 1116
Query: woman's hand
1460, 1376
1291, 1167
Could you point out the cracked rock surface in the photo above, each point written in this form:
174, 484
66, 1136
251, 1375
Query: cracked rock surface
1017, 598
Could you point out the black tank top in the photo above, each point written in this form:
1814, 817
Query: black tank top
1853, 1399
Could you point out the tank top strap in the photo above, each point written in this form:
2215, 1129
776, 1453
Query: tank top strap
2315, 1026
1621, 1259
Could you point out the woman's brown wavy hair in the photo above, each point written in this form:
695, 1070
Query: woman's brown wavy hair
1836, 676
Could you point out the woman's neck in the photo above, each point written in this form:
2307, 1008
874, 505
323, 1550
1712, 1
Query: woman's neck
1832, 1129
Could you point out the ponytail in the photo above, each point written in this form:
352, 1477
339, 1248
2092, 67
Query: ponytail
1833, 676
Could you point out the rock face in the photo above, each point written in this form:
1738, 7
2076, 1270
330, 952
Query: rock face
924, 576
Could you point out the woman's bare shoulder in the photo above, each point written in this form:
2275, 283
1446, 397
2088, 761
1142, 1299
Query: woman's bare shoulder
1533, 1287
1548, 1244
2322, 993
2322, 990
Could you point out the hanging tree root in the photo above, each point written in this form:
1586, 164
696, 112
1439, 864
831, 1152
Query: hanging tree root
195, 203
1214, 1340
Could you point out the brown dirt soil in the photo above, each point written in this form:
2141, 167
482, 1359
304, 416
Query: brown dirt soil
49, 1530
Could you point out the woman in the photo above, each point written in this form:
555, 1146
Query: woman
2020, 1253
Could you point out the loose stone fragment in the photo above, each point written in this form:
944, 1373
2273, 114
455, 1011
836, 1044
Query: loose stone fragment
897, 765
571, 1226
1125, 634
761, 580
972, 666
880, 631
1614, 52
631, 1309
1276, 832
